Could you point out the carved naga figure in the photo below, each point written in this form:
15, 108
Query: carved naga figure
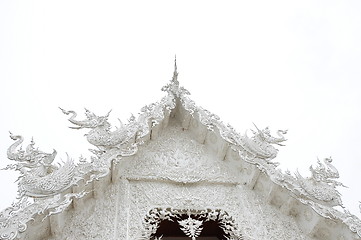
39, 177
265, 136
260, 144
321, 186
325, 172
100, 134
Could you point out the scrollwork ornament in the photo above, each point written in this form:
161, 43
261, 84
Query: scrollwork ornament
321, 186
44, 181
13, 220
191, 227
100, 134
39, 177
260, 145
171, 177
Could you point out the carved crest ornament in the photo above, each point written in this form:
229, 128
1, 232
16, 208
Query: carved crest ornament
47, 188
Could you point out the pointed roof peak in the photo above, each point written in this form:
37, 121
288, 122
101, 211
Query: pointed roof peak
175, 73
175, 62
173, 86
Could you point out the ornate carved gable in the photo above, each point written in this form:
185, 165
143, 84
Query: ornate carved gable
176, 151
175, 166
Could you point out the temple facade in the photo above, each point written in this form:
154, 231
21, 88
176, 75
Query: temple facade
174, 172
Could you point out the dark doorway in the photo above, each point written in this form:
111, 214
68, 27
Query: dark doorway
170, 230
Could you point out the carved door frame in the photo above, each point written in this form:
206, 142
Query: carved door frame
191, 226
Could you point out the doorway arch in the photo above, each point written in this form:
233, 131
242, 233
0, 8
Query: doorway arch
181, 224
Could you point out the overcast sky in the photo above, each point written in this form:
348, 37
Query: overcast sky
283, 64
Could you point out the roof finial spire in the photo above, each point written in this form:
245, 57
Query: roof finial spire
175, 73
175, 62
173, 87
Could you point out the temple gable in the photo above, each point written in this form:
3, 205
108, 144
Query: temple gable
175, 171
176, 156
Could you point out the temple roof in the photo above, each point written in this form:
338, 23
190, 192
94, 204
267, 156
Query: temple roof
46, 189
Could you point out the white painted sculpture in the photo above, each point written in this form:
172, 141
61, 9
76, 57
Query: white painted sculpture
38, 176
176, 163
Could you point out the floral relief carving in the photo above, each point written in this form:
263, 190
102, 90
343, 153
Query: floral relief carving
45, 181
254, 219
145, 195
95, 220
192, 224
191, 227
173, 171
173, 152
14, 220
263, 221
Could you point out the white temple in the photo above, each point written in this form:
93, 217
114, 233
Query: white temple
174, 172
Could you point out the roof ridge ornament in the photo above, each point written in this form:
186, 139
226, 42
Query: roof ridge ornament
175, 73
39, 176
321, 186
100, 134
173, 87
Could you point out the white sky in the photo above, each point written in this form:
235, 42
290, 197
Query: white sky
283, 64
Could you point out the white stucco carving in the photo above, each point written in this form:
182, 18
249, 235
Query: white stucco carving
321, 186
39, 177
175, 159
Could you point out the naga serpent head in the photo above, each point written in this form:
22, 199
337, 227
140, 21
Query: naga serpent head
92, 120
15, 137
283, 131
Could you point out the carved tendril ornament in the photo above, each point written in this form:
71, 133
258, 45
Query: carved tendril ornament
176, 161
321, 186
39, 177
192, 225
